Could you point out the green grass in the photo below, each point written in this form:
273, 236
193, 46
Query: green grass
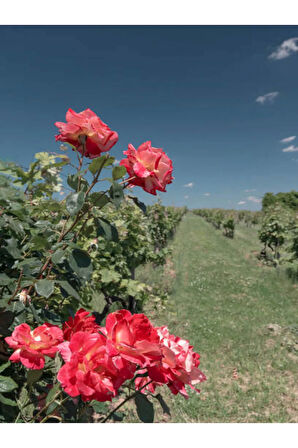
223, 300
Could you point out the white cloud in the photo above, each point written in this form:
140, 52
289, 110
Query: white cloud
186, 197
285, 49
241, 202
290, 148
267, 98
207, 194
116, 162
190, 185
250, 190
254, 199
288, 139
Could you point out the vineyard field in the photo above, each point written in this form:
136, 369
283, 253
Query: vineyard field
241, 316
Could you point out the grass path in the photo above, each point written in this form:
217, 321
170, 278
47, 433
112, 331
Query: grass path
223, 301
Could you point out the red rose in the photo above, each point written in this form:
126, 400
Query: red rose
179, 364
148, 167
133, 337
32, 346
81, 322
89, 371
86, 125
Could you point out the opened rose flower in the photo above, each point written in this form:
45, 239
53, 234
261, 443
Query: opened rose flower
31, 347
179, 364
86, 132
133, 337
89, 371
148, 167
82, 321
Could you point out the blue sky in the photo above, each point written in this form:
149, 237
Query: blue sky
191, 90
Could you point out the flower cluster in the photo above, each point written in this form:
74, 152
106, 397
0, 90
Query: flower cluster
98, 360
148, 167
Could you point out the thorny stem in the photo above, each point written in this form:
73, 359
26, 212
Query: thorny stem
59, 406
47, 405
83, 139
17, 287
124, 401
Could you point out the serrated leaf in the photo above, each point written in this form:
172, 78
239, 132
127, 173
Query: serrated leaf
7, 384
4, 366
99, 407
97, 164
74, 202
45, 287
5, 280
109, 275
58, 256
81, 263
145, 409
110, 160
69, 289
105, 229
118, 172
33, 376
7, 401
99, 199
12, 248
39, 242
53, 392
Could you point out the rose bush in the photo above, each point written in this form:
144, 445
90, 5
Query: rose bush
59, 257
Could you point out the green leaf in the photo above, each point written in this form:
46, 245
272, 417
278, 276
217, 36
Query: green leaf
6, 319
45, 287
97, 164
69, 289
118, 172
58, 256
74, 202
12, 248
99, 199
5, 280
109, 276
109, 161
33, 376
106, 229
53, 392
39, 243
73, 181
81, 263
7, 401
7, 384
99, 407
139, 204
165, 407
145, 408
116, 194
4, 366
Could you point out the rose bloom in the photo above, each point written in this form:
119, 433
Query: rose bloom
86, 125
81, 322
149, 167
178, 367
89, 371
133, 337
32, 346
